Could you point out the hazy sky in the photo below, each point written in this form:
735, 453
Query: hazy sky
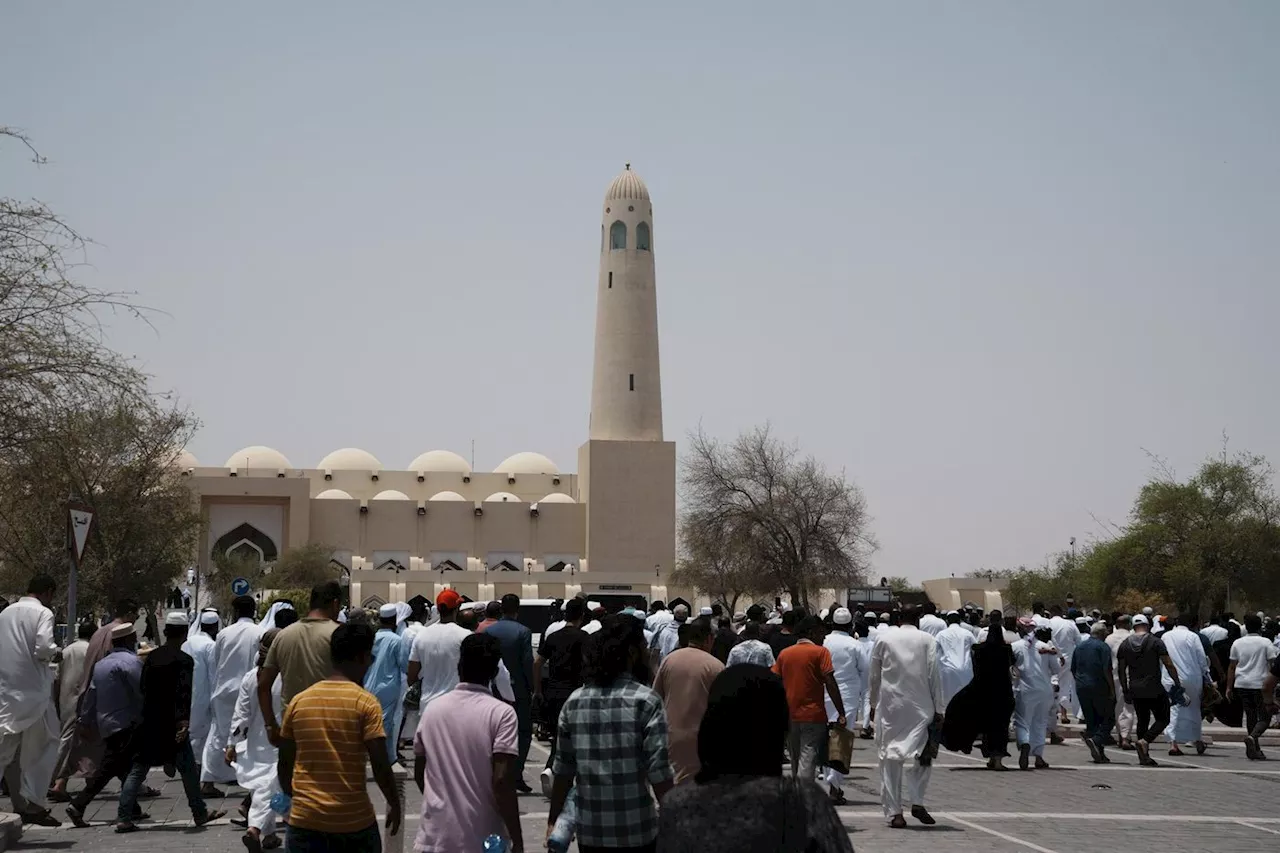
979, 255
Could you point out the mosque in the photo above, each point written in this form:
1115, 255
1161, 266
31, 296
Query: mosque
527, 527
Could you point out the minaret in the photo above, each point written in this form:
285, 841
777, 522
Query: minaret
626, 389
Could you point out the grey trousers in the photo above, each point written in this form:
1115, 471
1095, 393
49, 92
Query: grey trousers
807, 743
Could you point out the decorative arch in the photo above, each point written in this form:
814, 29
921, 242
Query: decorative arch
617, 235
447, 566
504, 566
372, 602
246, 541
642, 237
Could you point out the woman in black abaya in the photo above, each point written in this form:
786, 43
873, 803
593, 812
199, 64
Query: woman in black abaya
984, 706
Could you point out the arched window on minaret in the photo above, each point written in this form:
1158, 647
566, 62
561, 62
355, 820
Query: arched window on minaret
617, 235
642, 237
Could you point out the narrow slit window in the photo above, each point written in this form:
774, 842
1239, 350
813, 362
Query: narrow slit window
611, 281
631, 378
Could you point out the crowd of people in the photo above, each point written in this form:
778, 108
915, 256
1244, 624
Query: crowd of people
668, 729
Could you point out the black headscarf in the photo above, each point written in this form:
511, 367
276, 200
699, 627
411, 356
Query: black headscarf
745, 724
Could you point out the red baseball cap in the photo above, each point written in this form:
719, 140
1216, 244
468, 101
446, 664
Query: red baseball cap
448, 599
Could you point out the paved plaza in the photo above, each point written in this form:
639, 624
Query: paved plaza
1219, 801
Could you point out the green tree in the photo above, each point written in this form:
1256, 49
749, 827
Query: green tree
116, 454
804, 527
1202, 542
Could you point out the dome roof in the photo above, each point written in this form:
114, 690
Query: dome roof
257, 456
627, 186
440, 460
390, 495
526, 463
185, 460
350, 459
333, 495
447, 496
502, 497
557, 498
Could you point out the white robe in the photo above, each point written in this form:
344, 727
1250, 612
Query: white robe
255, 762
955, 663
409, 724
27, 650
235, 653
1066, 636
200, 646
906, 691
28, 719
1188, 657
932, 625
850, 664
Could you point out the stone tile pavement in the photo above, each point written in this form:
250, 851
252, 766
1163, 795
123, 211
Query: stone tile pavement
1216, 802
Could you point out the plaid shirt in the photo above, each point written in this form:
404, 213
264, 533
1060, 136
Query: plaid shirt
614, 740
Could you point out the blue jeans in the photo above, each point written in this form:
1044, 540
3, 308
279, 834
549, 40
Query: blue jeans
367, 840
185, 760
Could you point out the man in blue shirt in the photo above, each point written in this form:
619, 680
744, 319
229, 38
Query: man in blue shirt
517, 655
1095, 689
385, 678
112, 706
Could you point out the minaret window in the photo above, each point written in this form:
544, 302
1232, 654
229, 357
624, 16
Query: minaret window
642, 237
617, 235
631, 378
611, 280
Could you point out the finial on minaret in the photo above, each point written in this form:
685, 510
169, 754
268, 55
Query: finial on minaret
628, 167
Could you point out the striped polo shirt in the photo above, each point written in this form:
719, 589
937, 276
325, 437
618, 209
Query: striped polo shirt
330, 722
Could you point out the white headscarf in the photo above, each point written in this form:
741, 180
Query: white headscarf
269, 620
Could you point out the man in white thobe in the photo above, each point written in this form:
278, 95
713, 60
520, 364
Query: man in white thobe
865, 632
955, 660
1036, 663
930, 622
1066, 636
1187, 653
850, 663
28, 720
234, 653
200, 646
251, 752
906, 695
1126, 718
268, 622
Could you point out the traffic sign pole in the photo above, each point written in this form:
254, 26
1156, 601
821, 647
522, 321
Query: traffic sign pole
79, 524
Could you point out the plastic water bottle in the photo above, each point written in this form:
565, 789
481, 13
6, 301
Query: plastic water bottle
562, 835
496, 844
280, 802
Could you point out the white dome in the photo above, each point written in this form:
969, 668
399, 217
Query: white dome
350, 459
440, 460
390, 495
502, 497
526, 463
185, 460
447, 496
557, 498
333, 495
257, 456
627, 186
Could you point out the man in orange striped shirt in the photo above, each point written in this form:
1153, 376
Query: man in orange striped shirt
328, 730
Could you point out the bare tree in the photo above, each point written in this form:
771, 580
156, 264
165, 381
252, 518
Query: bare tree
718, 561
51, 345
805, 528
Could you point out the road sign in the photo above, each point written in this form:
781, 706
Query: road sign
80, 517
240, 586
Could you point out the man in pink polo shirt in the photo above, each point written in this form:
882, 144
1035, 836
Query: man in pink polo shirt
463, 751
